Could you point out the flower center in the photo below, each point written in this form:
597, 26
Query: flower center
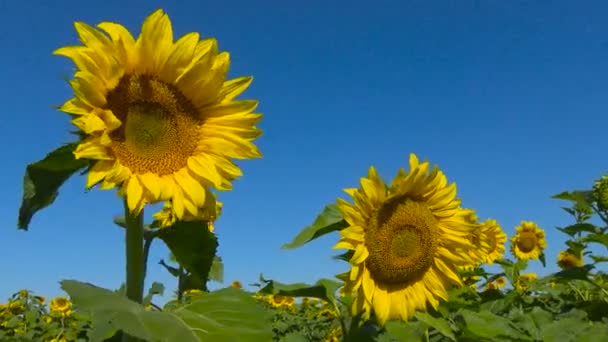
160, 129
526, 241
401, 240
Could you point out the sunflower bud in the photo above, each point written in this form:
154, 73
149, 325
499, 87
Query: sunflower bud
600, 193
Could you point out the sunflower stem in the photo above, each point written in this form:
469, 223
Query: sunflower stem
135, 254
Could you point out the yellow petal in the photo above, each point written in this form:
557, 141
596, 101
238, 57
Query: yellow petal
155, 42
124, 44
134, 193
76, 106
180, 57
151, 182
381, 305
89, 123
234, 88
193, 189
98, 172
167, 187
92, 149
368, 285
219, 110
204, 166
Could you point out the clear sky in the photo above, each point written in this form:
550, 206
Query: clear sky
507, 97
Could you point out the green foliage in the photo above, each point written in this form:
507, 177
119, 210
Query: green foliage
324, 289
43, 179
226, 315
328, 221
193, 246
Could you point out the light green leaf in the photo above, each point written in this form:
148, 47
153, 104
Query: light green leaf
565, 330
440, 324
328, 221
580, 197
216, 273
43, 179
402, 331
597, 238
323, 289
226, 315
488, 325
193, 245
109, 308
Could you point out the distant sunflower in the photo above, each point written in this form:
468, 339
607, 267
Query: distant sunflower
158, 117
500, 282
568, 259
495, 239
524, 280
528, 242
408, 241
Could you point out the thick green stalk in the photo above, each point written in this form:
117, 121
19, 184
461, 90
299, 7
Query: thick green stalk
135, 255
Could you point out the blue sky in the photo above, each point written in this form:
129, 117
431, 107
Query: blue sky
507, 97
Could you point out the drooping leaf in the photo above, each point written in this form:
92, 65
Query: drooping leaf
43, 179
440, 324
328, 221
193, 245
110, 310
346, 256
323, 289
598, 258
217, 270
226, 315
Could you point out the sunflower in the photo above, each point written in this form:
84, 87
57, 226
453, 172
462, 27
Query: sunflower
568, 259
500, 282
236, 284
276, 300
528, 242
495, 240
158, 118
525, 279
408, 241
61, 305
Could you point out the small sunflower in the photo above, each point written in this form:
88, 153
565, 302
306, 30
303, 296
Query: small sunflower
24, 294
491, 286
568, 259
276, 300
409, 239
16, 307
157, 117
236, 284
501, 282
495, 240
528, 242
39, 299
61, 305
525, 279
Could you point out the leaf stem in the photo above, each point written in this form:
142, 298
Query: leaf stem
135, 254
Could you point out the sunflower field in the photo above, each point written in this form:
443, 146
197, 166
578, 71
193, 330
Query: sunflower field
158, 122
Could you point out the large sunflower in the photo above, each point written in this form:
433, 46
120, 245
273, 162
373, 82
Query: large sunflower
158, 117
408, 241
528, 242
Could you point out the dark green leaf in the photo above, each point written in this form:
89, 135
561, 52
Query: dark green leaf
323, 289
440, 324
109, 308
293, 338
217, 270
120, 221
43, 179
533, 321
346, 256
227, 315
578, 228
575, 246
193, 245
173, 270
565, 330
328, 221
542, 259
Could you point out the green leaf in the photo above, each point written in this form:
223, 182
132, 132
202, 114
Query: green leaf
328, 221
565, 330
597, 332
216, 273
533, 321
173, 270
580, 197
402, 331
43, 179
579, 228
193, 245
155, 289
597, 259
323, 289
293, 338
542, 259
346, 256
581, 273
227, 315
109, 308
440, 324
488, 325
597, 238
